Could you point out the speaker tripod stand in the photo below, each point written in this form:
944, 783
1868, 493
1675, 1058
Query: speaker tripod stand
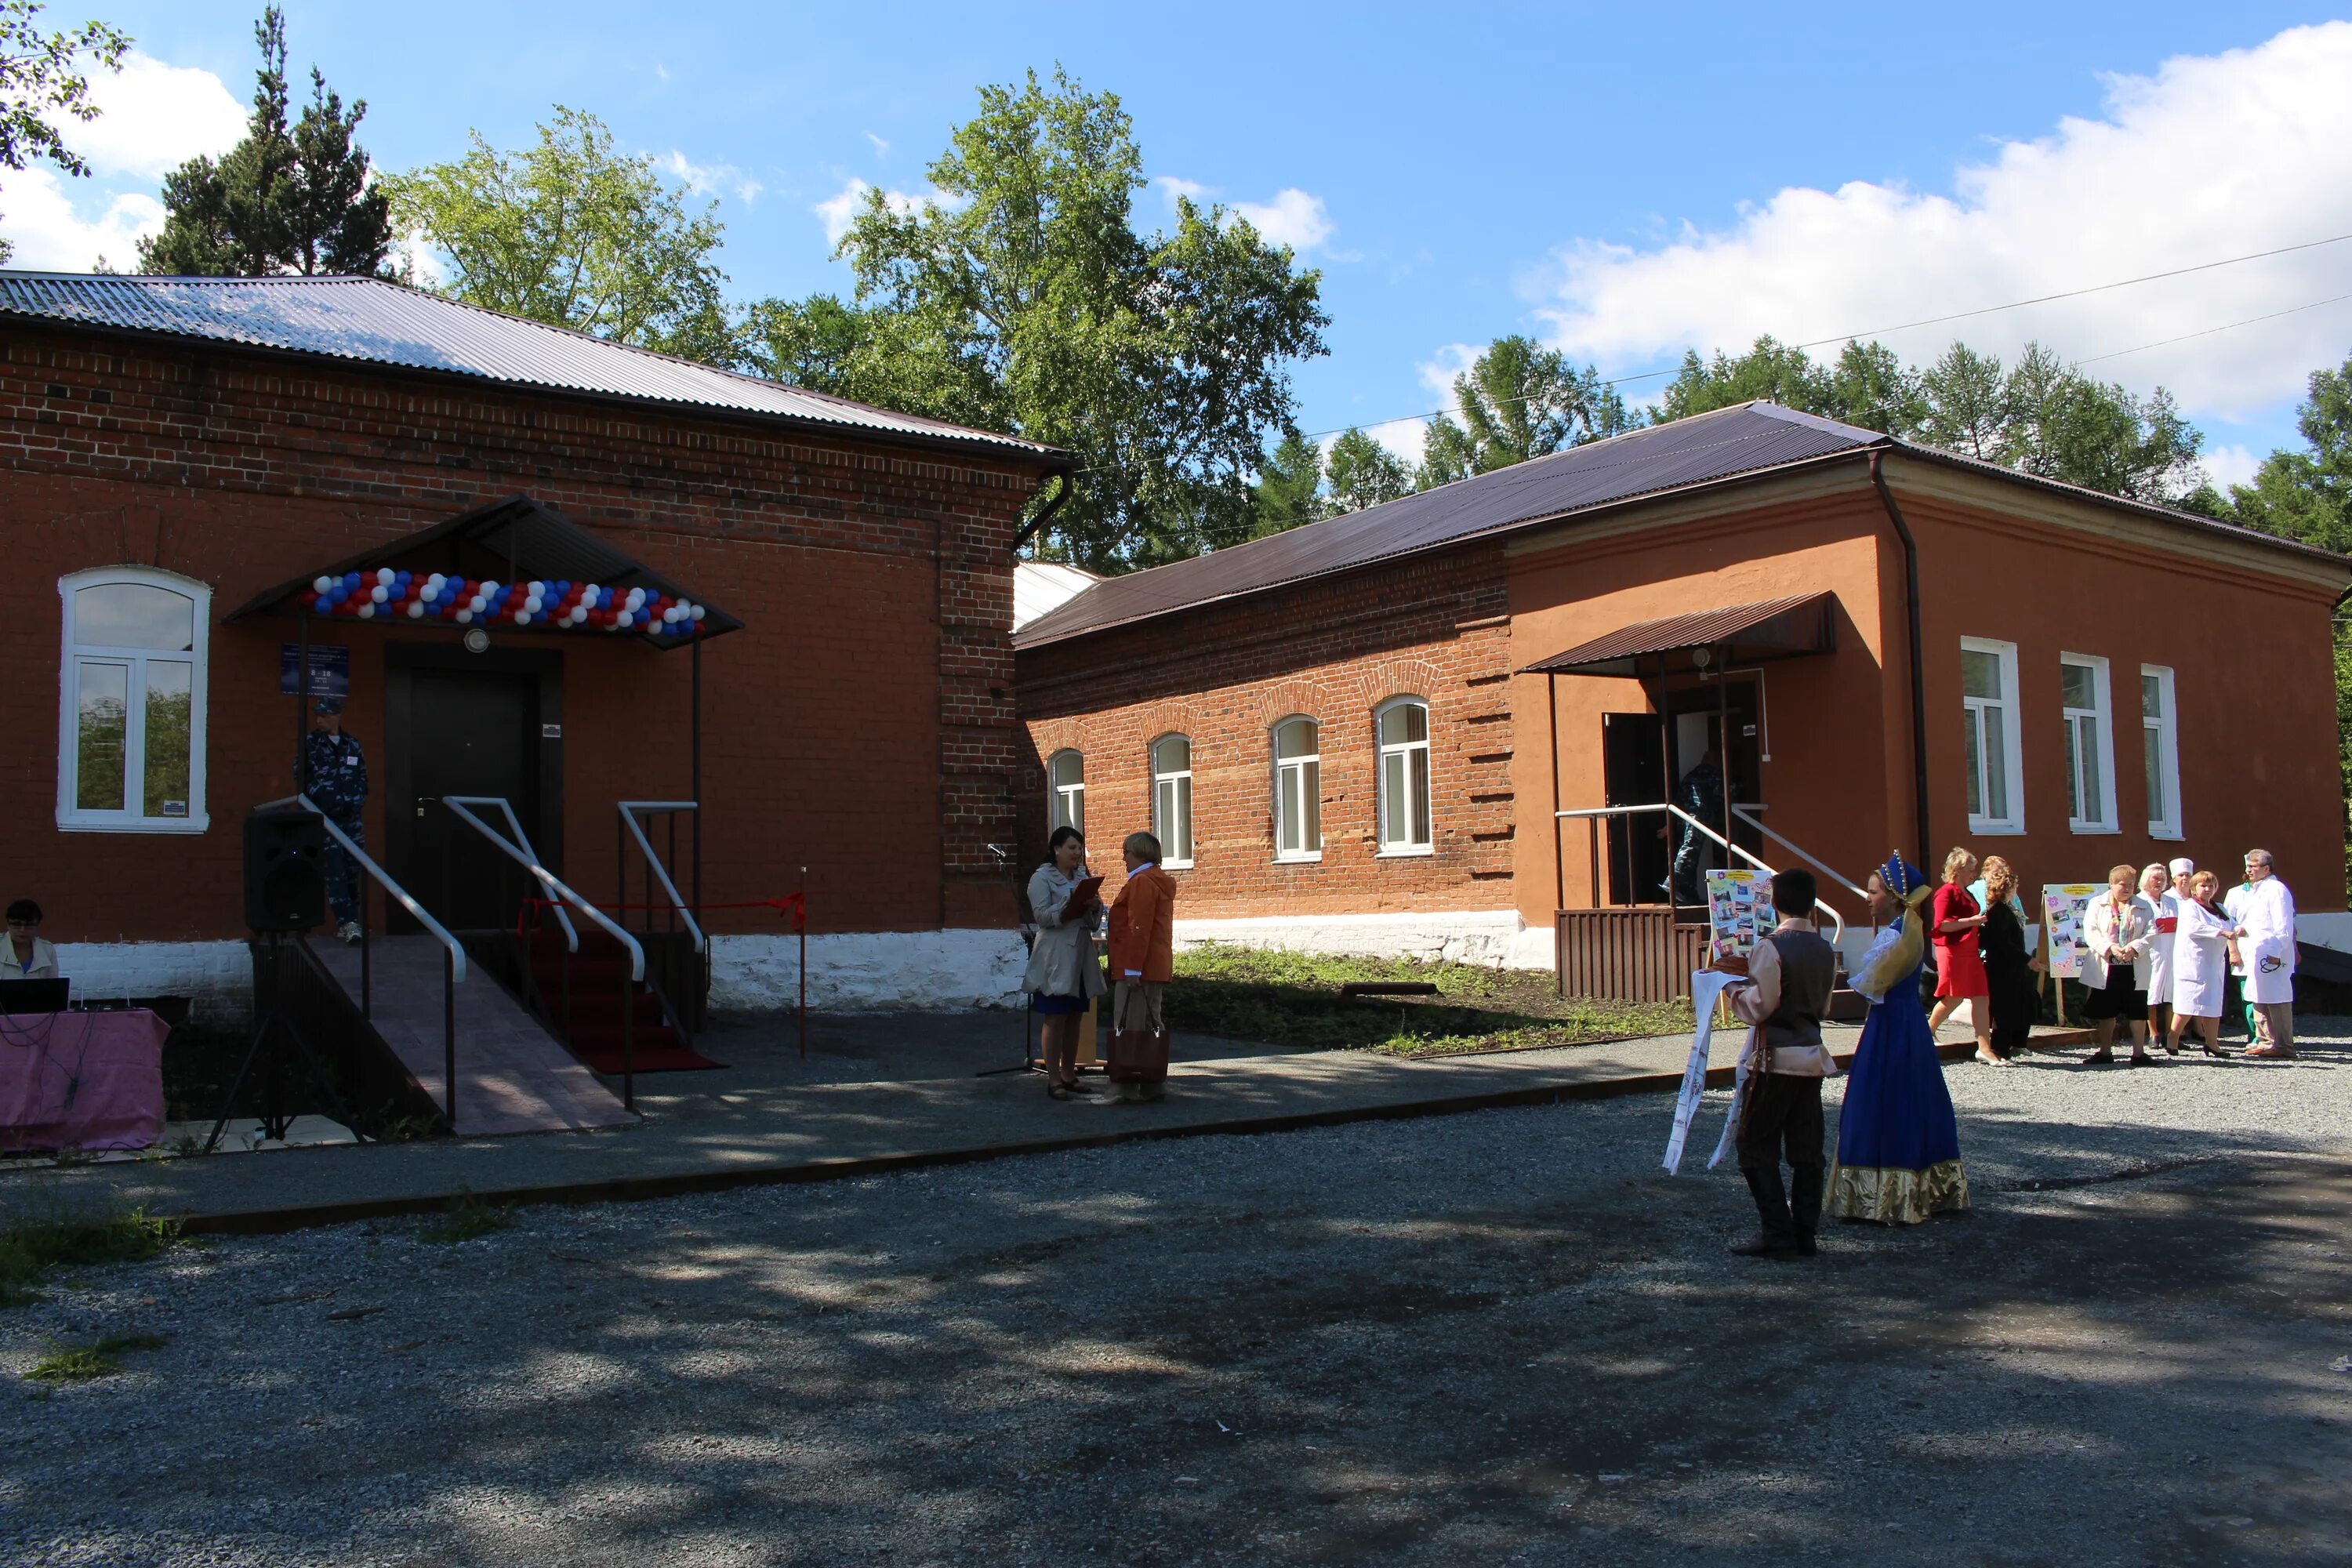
273, 961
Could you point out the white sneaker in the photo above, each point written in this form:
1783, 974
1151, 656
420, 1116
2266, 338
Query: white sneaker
349, 931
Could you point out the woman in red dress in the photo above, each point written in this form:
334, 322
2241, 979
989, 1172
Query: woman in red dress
1955, 919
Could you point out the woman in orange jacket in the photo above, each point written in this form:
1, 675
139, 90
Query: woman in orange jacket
1143, 949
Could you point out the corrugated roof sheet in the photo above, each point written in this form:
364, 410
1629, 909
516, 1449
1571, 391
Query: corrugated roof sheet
1729, 441
1774, 628
380, 322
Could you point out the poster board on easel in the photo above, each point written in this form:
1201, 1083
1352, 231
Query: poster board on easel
2064, 908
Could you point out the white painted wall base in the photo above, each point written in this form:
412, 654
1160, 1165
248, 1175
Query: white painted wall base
218, 974
1496, 937
920, 971
2324, 929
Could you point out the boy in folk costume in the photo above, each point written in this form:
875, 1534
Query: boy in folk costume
1142, 950
1786, 995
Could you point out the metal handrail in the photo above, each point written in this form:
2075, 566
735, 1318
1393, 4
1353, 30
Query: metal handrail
1672, 810
547, 879
1743, 813
453, 951
629, 809
523, 851
384, 878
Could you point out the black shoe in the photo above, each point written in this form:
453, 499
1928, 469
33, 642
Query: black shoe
1805, 1248
1767, 1245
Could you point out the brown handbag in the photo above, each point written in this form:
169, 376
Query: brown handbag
1137, 1055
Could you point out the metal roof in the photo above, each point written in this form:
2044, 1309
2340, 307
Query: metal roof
1746, 439
1741, 439
512, 539
1775, 628
375, 322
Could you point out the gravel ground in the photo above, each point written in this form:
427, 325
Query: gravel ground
1497, 1337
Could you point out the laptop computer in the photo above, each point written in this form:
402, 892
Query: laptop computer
46, 995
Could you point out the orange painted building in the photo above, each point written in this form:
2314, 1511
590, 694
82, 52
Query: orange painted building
2096, 681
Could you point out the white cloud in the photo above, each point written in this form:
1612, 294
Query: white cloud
704, 178
881, 147
1293, 218
2231, 465
838, 211
153, 118
2211, 156
1172, 189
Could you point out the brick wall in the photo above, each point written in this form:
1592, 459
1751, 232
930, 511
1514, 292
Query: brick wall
863, 724
1333, 650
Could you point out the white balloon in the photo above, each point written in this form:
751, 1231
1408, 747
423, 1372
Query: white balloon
465, 616
379, 593
367, 612
621, 620
383, 577
416, 611
698, 611
320, 584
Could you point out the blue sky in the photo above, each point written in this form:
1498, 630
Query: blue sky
1621, 181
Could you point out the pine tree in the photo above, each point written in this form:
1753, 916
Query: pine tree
288, 198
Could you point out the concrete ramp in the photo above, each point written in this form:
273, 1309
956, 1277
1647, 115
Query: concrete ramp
512, 1075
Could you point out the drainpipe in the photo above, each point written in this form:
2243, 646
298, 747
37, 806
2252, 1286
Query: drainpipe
1918, 669
1045, 514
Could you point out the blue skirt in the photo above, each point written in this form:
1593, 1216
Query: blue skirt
1057, 1006
1898, 1154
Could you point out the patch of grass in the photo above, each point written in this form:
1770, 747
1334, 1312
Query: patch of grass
32, 1246
467, 1218
1293, 999
79, 1363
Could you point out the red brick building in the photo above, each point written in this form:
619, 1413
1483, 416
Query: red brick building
1361, 729
191, 442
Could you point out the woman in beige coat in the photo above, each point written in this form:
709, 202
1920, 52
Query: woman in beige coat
1063, 975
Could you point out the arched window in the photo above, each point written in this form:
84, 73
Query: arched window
1171, 798
1066, 776
130, 710
1298, 790
1403, 725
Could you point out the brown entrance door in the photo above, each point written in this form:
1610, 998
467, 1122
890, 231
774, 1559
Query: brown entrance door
1633, 772
1696, 720
469, 733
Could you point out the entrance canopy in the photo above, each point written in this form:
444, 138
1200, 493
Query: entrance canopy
1738, 633
515, 565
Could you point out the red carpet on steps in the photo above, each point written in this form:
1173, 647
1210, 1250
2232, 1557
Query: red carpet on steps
596, 990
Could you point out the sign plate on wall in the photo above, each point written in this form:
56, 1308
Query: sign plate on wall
331, 669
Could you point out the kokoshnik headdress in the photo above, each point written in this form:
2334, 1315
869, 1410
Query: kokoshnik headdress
1901, 876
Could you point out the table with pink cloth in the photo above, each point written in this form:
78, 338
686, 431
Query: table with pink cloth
81, 1081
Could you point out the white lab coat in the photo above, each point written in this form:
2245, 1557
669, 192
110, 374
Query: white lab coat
2264, 913
2167, 909
2201, 962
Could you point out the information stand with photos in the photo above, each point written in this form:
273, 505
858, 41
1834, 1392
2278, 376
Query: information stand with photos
1739, 912
2065, 906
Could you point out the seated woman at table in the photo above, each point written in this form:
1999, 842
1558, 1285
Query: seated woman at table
26, 955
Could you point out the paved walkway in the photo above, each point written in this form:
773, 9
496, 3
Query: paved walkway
766, 1123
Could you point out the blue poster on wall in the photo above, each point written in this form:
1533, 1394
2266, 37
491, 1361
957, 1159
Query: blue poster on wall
331, 669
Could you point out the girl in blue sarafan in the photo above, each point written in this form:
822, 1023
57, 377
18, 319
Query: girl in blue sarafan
1899, 1152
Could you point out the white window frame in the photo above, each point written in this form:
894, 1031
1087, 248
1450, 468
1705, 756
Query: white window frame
1178, 784
1395, 846
2099, 723
72, 817
2004, 709
1061, 799
2164, 729
1310, 766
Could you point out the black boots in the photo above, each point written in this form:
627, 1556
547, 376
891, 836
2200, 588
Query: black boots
1805, 1206
1789, 1217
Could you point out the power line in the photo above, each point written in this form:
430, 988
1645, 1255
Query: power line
2209, 332
1956, 316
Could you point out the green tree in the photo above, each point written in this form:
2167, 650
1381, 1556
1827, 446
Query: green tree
1026, 300
2308, 495
571, 232
290, 197
2063, 424
1968, 403
1518, 400
41, 77
1289, 486
1768, 370
1364, 473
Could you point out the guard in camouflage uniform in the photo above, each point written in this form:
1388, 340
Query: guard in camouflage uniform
338, 787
